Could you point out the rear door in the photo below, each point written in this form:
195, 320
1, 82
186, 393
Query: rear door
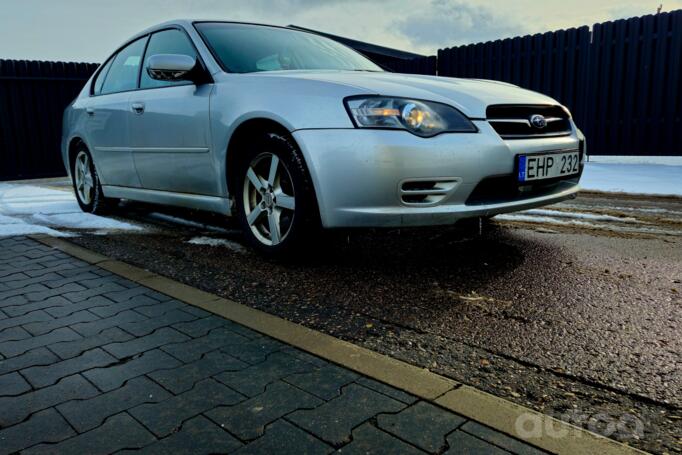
108, 122
170, 128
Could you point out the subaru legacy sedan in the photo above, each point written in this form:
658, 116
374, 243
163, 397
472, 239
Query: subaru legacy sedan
290, 131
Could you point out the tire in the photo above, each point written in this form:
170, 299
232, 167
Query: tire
285, 197
87, 186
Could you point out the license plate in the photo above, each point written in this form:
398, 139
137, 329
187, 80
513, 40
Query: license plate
547, 166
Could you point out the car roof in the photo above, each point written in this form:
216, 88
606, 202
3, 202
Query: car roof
188, 23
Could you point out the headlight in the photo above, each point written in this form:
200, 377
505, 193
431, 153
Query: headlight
423, 118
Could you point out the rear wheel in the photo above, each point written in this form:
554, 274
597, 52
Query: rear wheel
275, 199
87, 186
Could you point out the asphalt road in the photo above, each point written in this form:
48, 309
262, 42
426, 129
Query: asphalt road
575, 311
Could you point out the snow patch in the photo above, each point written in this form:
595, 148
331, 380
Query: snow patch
580, 215
12, 230
621, 159
625, 209
27, 209
27, 200
523, 217
234, 246
82, 221
540, 219
4, 219
633, 178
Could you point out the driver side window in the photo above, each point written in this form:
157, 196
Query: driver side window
171, 41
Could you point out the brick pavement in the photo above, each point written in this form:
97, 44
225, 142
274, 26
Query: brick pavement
93, 363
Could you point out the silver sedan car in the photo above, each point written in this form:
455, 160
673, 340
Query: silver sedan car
291, 131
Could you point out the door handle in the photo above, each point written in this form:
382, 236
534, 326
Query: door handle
90, 111
138, 108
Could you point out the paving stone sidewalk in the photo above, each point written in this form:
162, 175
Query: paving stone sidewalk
93, 363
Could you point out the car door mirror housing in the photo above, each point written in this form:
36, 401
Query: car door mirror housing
173, 67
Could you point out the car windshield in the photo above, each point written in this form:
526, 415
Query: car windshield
245, 48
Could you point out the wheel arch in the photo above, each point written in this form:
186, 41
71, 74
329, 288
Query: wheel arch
72, 148
241, 134
247, 130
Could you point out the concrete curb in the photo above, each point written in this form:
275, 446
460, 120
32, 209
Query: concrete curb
523, 423
546, 432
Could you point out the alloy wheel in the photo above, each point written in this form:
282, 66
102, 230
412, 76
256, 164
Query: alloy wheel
269, 199
84, 178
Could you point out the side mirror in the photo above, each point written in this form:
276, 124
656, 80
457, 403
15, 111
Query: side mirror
171, 67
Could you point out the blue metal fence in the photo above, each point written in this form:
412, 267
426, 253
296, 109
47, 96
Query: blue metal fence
622, 80
554, 63
634, 100
33, 96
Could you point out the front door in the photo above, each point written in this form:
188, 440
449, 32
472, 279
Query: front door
169, 127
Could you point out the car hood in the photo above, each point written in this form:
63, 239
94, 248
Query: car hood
471, 96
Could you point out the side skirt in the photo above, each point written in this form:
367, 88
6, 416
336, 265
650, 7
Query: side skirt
191, 201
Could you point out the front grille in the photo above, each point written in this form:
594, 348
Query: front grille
513, 121
425, 191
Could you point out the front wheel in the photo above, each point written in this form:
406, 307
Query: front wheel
275, 199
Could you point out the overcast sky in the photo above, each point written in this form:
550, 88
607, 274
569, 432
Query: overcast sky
88, 30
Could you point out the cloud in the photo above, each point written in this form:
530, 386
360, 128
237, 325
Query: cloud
445, 23
47, 29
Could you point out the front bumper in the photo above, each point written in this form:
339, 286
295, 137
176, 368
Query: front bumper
361, 175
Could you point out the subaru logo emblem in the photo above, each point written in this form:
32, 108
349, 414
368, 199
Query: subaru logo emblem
538, 121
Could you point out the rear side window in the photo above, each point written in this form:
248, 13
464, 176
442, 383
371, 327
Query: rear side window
99, 80
125, 68
171, 41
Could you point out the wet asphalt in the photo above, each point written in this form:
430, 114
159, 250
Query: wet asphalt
578, 316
